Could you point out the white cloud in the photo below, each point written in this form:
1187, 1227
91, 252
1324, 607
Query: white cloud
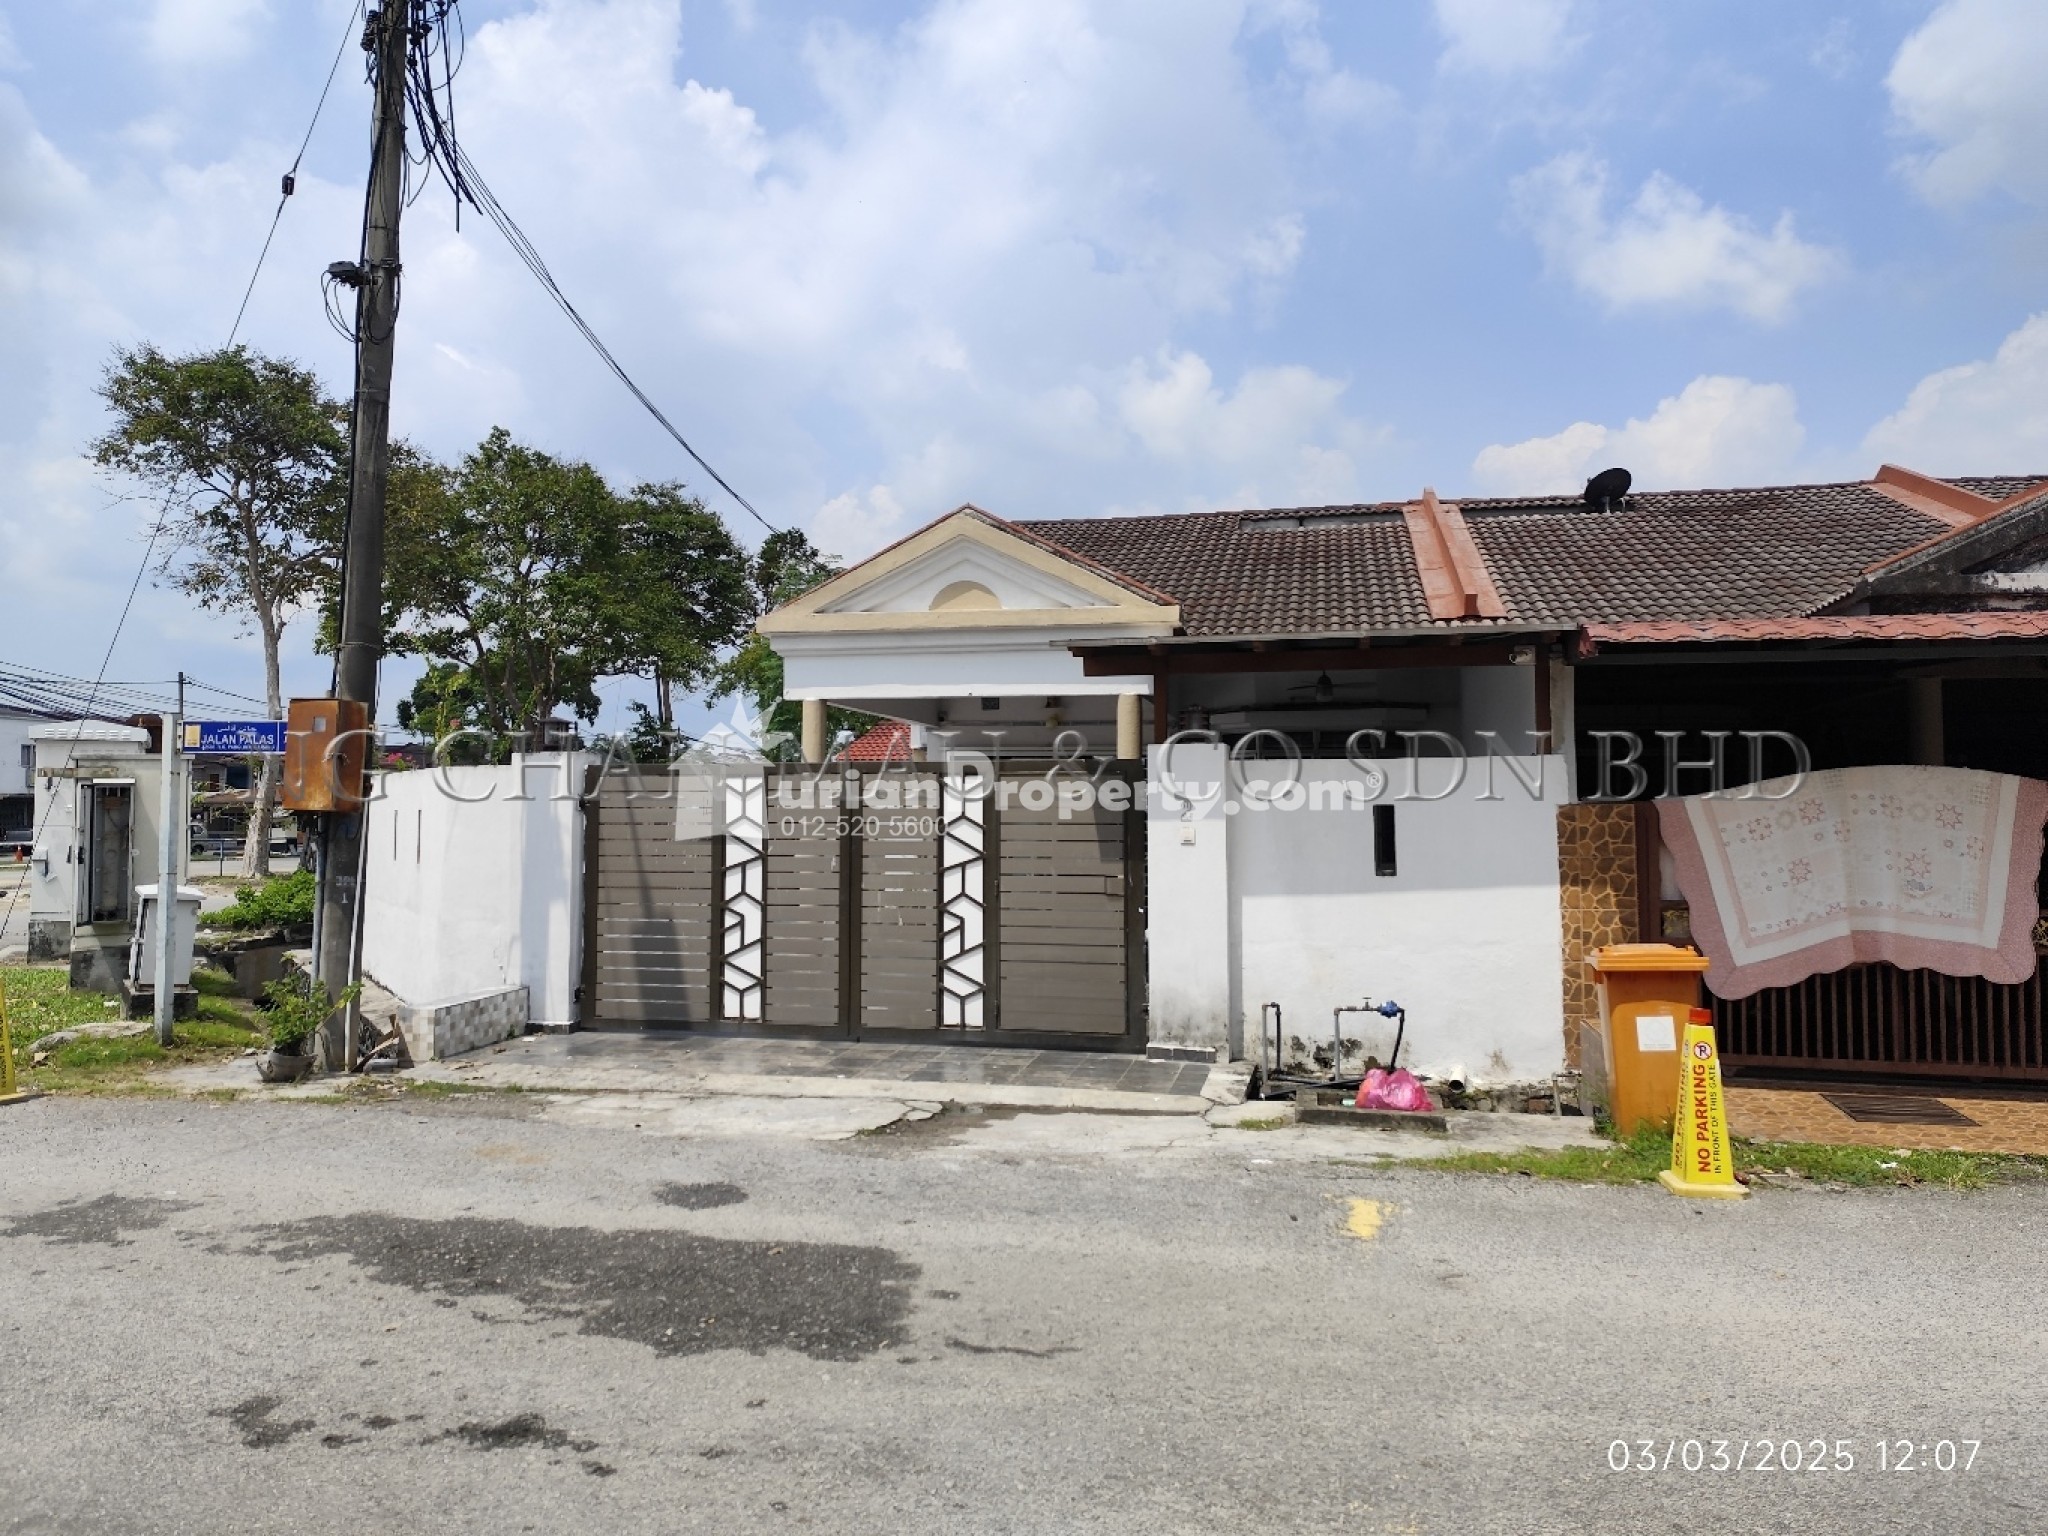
1668, 247
1279, 436
1970, 84
190, 32
1717, 431
1985, 417
1834, 54
1501, 37
856, 523
1331, 95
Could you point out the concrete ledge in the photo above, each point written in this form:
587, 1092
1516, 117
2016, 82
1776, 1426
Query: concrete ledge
1168, 1050
529, 1077
436, 1031
1318, 1108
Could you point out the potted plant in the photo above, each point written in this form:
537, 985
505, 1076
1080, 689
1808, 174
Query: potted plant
298, 1007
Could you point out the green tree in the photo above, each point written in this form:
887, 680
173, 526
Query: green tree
510, 614
683, 597
786, 566
249, 458
531, 580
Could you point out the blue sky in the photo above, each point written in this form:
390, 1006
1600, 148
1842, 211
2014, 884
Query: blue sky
1057, 257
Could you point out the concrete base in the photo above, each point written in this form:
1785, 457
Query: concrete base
1330, 1108
1169, 1050
254, 966
140, 1002
98, 967
49, 938
436, 1031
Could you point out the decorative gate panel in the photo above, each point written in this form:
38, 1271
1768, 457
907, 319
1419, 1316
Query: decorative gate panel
650, 946
1066, 901
806, 868
899, 904
898, 960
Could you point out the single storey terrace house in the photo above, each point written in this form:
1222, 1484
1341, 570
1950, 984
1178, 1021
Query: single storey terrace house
1588, 654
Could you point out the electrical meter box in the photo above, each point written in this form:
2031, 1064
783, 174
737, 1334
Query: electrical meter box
326, 750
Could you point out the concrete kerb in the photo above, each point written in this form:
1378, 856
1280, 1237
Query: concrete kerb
1055, 1121
564, 1079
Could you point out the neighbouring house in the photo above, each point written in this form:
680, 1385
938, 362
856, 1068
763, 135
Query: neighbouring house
1172, 781
17, 777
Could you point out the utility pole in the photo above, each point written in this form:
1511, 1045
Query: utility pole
385, 36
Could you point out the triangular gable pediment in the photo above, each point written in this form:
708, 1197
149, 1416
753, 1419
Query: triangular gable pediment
970, 571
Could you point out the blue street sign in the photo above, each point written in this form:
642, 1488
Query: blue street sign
238, 736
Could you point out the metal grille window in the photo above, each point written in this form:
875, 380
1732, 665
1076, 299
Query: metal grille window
106, 852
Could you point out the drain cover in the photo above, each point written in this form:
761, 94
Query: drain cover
1897, 1109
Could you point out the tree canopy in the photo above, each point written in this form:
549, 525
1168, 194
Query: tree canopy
249, 458
786, 566
542, 580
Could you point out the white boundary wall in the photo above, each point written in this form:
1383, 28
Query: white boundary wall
471, 895
1283, 906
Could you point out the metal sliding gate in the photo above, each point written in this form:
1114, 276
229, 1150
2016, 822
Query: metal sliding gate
909, 903
1877, 1020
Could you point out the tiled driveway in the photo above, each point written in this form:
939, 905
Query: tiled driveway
2008, 1120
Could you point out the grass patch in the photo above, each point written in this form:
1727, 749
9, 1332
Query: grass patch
1632, 1161
433, 1088
40, 1002
1639, 1158
1273, 1124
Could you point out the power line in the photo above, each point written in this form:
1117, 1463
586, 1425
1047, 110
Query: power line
433, 110
482, 197
36, 689
291, 176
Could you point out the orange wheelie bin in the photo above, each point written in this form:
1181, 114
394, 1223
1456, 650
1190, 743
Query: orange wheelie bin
1647, 994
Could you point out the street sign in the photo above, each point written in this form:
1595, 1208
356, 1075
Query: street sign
239, 736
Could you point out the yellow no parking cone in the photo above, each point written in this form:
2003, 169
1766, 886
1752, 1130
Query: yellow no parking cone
1702, 1162
8, 1095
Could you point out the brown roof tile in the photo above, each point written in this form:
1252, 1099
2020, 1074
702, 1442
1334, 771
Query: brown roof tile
1844, 626
1776, 551
1349, 568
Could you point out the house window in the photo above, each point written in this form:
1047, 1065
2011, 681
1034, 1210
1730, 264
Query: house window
28, 765
106, 852
1383, 861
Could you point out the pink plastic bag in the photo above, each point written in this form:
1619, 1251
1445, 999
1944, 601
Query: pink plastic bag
1398, 1089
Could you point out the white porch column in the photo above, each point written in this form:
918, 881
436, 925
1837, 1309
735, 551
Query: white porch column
1129, 745
814, 730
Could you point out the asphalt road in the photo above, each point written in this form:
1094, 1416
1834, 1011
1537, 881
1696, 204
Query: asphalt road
466, 1317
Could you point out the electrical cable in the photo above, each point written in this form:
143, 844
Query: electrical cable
291, 176
25, 683
433, 111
